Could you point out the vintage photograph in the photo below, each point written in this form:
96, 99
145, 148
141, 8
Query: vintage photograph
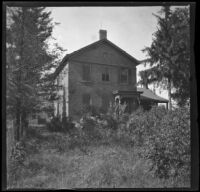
98, 96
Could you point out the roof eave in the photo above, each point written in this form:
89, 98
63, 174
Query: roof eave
68, 56
155, 100
61, 66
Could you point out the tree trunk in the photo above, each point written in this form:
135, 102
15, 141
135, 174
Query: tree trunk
18, 118
169, 94
17, 129
19, 81
24, 124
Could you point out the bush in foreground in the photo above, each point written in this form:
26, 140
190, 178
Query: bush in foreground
164, 138
57, 125
169, 146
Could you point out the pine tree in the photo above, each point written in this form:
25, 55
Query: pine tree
28, 61
169, 52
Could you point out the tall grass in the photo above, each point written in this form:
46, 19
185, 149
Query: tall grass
95, 153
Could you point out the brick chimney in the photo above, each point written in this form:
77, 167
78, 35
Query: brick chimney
102, 34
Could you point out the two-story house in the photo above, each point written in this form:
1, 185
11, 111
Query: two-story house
96, 75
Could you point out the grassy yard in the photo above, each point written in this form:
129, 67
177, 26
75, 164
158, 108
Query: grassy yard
56, 162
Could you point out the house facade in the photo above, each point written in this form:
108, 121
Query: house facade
96, 75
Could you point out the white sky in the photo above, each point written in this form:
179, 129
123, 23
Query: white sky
130, 28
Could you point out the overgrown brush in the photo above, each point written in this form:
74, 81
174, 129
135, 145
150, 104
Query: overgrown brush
164, 138
57, 125
169, 145
16, 162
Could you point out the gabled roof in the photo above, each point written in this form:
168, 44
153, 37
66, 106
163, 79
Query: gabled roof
150, 95
68, 56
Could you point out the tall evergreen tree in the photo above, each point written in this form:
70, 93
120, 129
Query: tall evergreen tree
28, 61
169, 52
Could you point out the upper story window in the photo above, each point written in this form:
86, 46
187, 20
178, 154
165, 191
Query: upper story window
124, 75
86, 73
105, 75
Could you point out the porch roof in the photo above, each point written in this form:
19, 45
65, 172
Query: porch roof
147, 94
126, 93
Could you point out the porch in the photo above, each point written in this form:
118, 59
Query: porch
142, 97
130, 98
148, 98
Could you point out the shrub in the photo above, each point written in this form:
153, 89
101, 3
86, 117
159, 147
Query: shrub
168, 145
16, 162
67, 124
41, 120
163, 137
90, 128
90, 110
56, 125
116, 111
18, 153
110, 122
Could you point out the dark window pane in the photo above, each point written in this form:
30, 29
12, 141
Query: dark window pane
124, 75
105, 75
86, 72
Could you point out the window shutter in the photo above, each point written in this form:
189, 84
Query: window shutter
134, 76
129, 76
119, 75
83, 72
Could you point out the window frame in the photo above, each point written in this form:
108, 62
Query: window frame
121, 70
84, 73
105, 75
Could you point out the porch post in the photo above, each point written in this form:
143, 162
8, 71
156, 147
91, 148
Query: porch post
138, 98
117, 109
167, 105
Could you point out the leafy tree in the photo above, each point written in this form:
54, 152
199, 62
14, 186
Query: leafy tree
29, 63
169, 53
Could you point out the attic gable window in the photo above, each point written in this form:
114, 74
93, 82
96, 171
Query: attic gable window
105, 75
124, 75
86, 72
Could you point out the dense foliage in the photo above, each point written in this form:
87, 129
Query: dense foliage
29, 63
158, 137
56, 125
169, 145
169, 53
164, 139
163, 136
